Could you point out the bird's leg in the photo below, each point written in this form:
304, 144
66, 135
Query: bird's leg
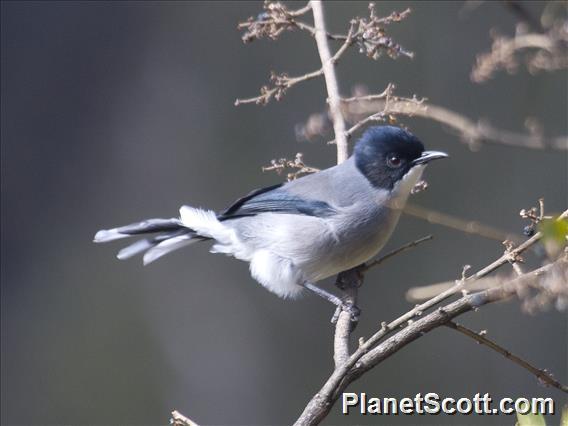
341, 305
348, 282
351, 278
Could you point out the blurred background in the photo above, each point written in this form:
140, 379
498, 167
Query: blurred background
115, 112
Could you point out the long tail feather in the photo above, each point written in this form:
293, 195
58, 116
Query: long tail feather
174, 235
141, 246
144, 227
168, 246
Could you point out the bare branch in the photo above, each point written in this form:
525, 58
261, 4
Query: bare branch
422, 293
368, 355
399, 250
179, 419
281, 83
389, 91
543, 375
368, 33
547, 52
349, 282
467, 226
471, 132
328, 67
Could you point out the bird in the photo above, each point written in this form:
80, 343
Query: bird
298, 233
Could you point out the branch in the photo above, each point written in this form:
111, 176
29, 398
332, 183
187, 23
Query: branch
275, 19
370, 353
366, 357
328, 67
551, 54
422, 293
281, 82
468, 226
470, 131
543, 375
399, 250
368, 33
179, 419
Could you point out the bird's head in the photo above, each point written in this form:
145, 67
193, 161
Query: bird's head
386, 154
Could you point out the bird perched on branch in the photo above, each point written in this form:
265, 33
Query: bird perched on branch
300, 232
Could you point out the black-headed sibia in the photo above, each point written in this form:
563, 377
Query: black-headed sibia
300, 232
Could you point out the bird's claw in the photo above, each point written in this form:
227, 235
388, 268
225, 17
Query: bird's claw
353, 310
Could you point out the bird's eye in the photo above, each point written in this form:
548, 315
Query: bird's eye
394, 161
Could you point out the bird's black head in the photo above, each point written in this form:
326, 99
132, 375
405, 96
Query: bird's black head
384, 154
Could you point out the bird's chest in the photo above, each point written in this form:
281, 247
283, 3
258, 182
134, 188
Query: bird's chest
357, 237
363, 234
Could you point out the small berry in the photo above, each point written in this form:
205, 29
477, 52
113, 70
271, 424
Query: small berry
528, 230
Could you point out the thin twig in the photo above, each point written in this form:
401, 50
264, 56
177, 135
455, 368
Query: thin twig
401, 249
467, 226
179, 419
422, 293
312, 31
281, 84
297, 165
387, 92
301, 11
542, 375
504, 52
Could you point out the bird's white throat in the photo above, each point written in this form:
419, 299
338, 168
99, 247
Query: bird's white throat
403, 187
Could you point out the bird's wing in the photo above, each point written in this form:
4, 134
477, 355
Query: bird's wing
275, 199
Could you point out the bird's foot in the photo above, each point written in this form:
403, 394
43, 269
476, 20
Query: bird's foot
353, 310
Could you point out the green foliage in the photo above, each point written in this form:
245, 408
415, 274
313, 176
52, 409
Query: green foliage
538, 419
554, 235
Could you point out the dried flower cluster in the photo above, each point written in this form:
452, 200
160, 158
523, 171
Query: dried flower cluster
371, 37
280, 82
368, 34
297, 164
538, 52
275, 19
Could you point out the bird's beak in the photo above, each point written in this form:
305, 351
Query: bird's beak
428, 156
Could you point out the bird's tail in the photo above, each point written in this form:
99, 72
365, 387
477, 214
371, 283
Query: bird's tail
169, 235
